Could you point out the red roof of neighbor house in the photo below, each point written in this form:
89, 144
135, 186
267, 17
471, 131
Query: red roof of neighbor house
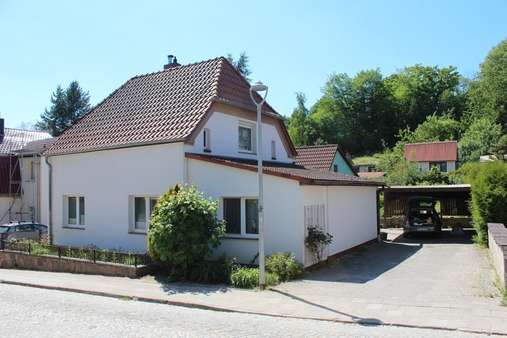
432, 151
316, 157
161, 107
289, 171
15, 139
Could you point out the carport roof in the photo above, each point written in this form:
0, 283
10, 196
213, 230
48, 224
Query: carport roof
289, 171
429, 188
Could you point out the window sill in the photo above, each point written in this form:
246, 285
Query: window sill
246, 152
73, 227
133, 232
250, 238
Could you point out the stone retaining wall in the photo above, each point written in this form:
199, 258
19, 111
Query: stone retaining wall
21, 260
497, 242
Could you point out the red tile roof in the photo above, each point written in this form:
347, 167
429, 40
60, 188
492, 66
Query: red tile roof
161, 107
289, 171
15, 139
432, 151
316, 157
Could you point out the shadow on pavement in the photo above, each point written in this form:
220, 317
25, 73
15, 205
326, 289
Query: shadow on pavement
358, 320
172, 287
445, 237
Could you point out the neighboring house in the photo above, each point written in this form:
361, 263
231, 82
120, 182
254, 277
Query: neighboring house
442, 155
19, 174
195, 124
324, 157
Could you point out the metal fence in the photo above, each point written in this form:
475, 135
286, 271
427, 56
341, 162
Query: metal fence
88, 254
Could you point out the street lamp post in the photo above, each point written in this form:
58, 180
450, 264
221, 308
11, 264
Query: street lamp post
260, 88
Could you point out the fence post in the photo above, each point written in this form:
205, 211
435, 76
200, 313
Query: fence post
2, 244
29, 248
94, 256
135, 260
59, 252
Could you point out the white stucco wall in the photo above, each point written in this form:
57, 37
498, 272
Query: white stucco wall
351, 215
283, 209
224, 138
106, 179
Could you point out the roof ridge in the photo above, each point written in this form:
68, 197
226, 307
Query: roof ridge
318, 146
178, 67
27, 130
433, 142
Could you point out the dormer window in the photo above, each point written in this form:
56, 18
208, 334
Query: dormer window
246, 141
206, 135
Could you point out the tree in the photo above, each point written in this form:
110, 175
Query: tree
67, 106
434, 128
479, 139
298, 123
241, 64
420, 91
488, 94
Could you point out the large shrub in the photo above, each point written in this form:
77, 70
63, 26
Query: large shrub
183, 230
489, 197
284, 265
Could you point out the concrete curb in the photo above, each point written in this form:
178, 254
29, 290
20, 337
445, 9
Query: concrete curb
363, 322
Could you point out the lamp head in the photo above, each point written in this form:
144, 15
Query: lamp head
259, 87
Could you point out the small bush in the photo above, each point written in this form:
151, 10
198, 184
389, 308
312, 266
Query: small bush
248, 278
183, 230
489, 198
316, 241
284, 265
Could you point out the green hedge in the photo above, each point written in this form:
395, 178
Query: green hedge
489, 197
248, 278
284, 265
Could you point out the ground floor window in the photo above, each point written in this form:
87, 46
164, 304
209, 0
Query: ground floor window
441, 166
241, 216
74, 209
141, 209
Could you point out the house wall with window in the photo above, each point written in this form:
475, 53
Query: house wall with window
443, 166
94, 194
283, 209
341, 166
223, 138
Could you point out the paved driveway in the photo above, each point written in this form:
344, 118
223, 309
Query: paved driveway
424, 280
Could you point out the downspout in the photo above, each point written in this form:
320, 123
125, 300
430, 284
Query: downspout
50, 200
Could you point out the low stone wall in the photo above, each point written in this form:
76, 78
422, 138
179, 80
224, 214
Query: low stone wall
497, 242
21, 260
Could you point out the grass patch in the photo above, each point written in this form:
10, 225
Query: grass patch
363, 160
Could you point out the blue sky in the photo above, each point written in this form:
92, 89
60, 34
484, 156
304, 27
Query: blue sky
293, 45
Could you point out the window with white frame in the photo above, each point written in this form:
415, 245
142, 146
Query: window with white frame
273, 150
206, 136
74, 207
246, 137
241, 216
141, 209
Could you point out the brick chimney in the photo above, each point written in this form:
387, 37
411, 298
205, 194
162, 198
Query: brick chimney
172, 62
2, 129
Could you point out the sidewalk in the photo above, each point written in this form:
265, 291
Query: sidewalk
276, 302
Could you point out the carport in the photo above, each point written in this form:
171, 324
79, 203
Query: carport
452, 203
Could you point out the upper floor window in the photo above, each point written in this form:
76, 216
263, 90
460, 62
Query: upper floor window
246, 140
273, 150
206, 135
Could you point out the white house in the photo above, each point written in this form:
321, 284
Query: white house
194, 124
442, 155
19, 173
